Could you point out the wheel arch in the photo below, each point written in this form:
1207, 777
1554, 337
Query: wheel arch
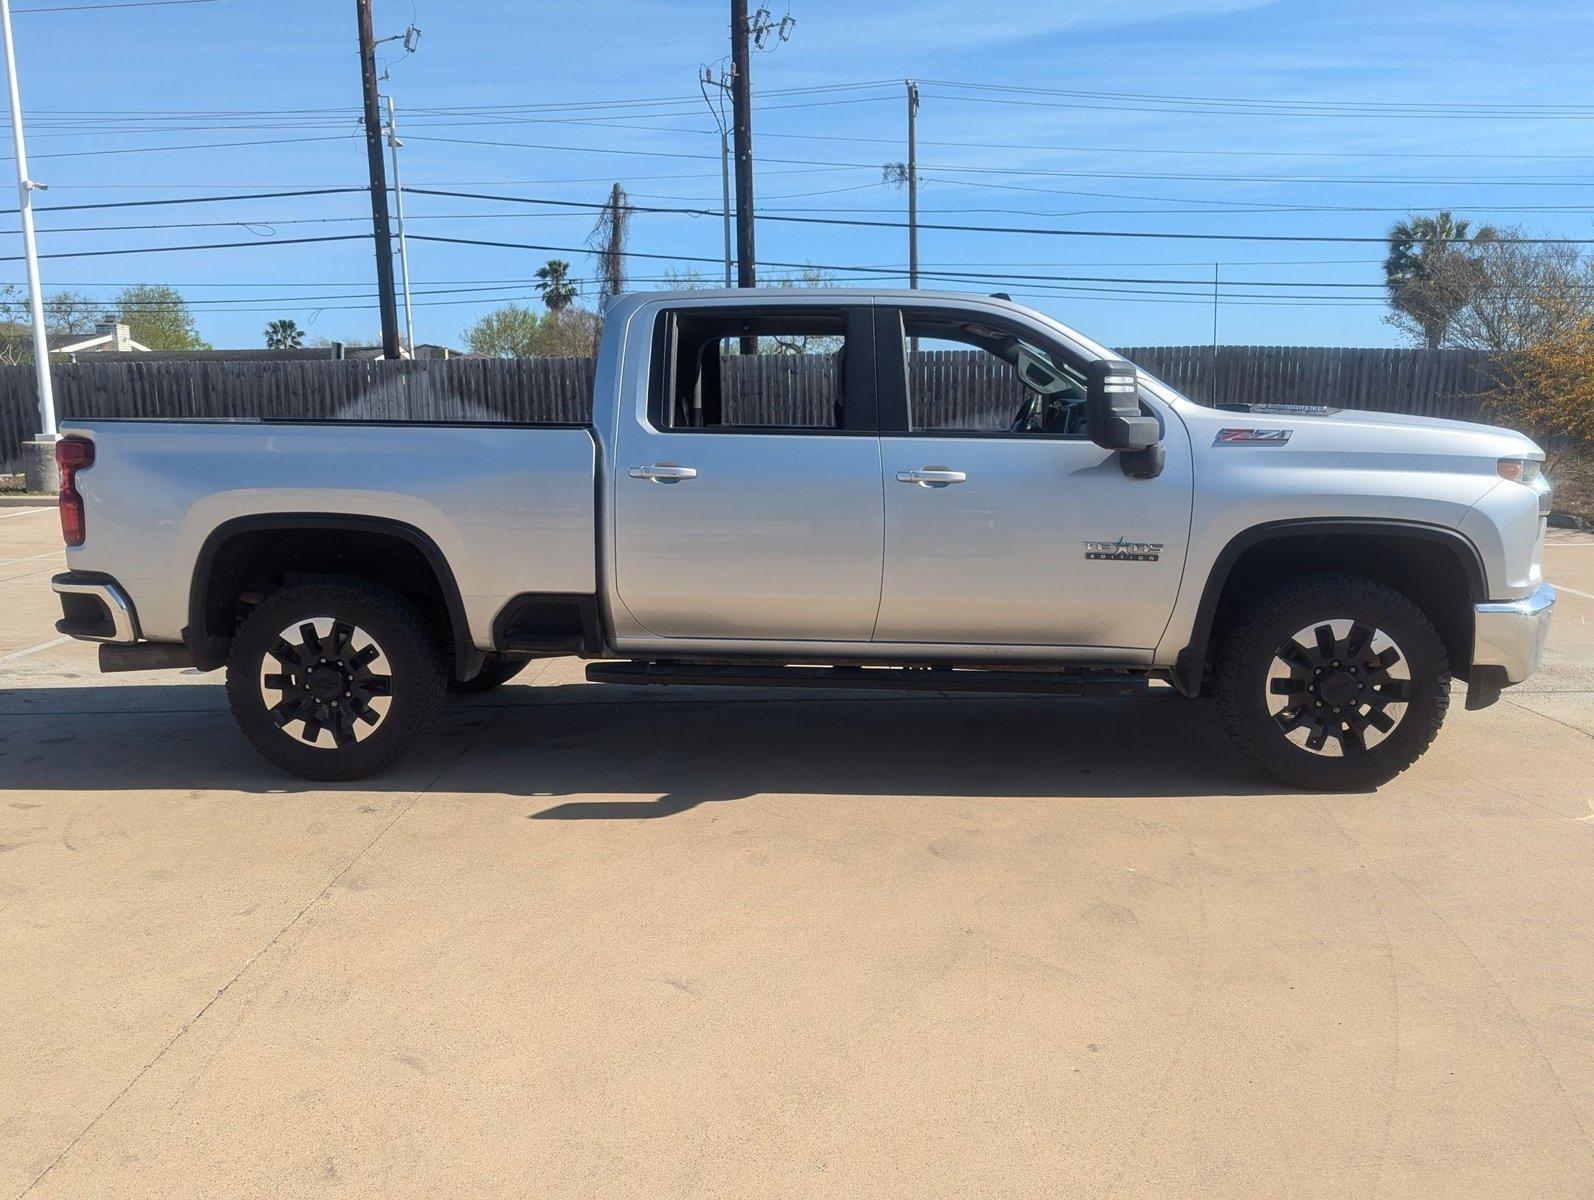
1412, 557
221, 567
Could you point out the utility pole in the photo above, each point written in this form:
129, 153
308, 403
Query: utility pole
373, 155
717, 111
725, 203
393, 145
40, 473
913, 184
1214, 308
741, 108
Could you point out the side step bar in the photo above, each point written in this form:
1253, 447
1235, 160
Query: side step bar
931, 679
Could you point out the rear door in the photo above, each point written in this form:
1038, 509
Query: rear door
747, 495
1005, 524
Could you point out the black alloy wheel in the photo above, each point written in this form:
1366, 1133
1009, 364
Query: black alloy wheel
335, 678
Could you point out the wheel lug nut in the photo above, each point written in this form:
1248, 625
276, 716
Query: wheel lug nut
1336, 708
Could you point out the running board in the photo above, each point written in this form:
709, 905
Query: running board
931, 679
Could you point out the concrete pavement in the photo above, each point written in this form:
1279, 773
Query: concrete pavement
593, 942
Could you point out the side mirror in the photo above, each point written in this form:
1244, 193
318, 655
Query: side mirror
1112, 407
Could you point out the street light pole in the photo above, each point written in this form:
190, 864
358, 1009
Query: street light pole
30, 250
393, 145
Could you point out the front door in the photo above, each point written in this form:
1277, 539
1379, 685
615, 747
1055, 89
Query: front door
748, 502
1005, 525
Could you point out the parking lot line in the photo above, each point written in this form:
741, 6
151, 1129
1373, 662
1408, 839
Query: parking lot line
23, 512
33, 649
1561, 587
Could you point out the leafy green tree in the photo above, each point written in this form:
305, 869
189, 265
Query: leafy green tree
73, 313
509, 331
555, 286
515, 331
70, 313
284, 334
16, 338
158, 317
1431, 271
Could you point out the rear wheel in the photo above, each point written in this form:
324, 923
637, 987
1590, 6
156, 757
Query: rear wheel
334, 680
1332, 682
494, 672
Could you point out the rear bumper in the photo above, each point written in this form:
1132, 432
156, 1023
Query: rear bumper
94, 608
1509, 635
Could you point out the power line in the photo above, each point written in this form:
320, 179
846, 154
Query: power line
1572, 181
1403, 106
962, 277
351, 237
856, 222
122, 4
55, 208
1142, 102
190, 146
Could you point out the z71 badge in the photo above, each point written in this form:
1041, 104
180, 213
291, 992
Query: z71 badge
1122, 551
1252, 437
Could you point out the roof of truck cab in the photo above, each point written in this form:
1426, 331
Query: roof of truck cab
765, 295
623, 306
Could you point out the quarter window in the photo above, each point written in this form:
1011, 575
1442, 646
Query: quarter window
779, 371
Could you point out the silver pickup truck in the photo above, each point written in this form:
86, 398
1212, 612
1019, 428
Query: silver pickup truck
837, 489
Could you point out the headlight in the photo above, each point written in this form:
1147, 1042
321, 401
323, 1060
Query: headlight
1529, 472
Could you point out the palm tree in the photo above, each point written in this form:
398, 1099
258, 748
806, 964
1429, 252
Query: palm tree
284, 334
553, 282
1432, 270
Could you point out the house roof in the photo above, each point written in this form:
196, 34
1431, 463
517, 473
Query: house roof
300, 354
303, 354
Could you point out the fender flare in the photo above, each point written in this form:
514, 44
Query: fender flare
210, 651
1190, 663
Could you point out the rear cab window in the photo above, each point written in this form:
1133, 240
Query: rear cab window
777, 369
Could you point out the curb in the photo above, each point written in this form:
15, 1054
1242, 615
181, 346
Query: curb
14, 500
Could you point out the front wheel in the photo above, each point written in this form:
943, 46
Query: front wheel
334, 679
1332, 682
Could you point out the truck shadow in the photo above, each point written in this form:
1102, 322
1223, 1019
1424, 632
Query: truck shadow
602, 753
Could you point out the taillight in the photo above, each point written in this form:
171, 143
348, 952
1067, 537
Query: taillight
72, 455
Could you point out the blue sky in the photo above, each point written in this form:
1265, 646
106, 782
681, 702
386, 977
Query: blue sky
1287, 106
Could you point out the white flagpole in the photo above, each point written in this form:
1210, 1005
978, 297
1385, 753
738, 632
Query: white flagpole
25, 189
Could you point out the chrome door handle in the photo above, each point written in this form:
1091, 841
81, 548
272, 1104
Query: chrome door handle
932, 477
663, 473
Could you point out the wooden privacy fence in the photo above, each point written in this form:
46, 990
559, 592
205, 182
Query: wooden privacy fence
1424, 383
952, 389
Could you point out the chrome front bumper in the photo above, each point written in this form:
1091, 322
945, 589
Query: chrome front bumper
94, 609
1509, 635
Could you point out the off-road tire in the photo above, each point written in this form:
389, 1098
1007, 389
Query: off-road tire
1267, 618
494, 673
408, 652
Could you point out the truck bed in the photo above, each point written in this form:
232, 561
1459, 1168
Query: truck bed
511, 508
